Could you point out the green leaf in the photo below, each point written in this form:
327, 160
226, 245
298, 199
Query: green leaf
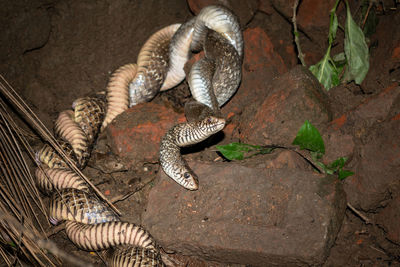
326, 72
339, 58
333, 26
344, 174
240, 151
338, 164
309, 138
231, 151
356, 50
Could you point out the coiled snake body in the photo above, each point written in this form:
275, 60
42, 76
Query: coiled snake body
91, 224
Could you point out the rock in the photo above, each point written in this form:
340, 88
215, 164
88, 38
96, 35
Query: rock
266, 7
371, 123
377, 167
385, 55
261, 65
376, 108
389, 219
249, 213
244, 10
337, 145
295, 97
135, 135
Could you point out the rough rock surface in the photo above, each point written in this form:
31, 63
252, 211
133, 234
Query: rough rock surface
377, 169
385, 56
377, 159
147, 121
389, 219
295, 97
249, 213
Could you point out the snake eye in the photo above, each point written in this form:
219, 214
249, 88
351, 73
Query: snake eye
209, 120
186, 175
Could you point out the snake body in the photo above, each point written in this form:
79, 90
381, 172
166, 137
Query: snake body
90, 223
89, 113
76, 205
50, 179
181, 135
134, 257
212, 80
117, 93
153, 64
50, 158
100, 236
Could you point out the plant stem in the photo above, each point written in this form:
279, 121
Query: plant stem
296, 34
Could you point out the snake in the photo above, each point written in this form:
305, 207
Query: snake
90, 223
212, 80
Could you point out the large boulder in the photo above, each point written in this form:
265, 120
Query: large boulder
268, 210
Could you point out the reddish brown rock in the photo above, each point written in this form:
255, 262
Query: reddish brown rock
244, 10
373, 109
266, 7
385, 56
377, 168
337, 145
374, 124
295, 97
389, 219
135, 135
249, 213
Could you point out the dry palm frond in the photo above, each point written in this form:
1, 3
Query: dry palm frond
35, 122
22, 238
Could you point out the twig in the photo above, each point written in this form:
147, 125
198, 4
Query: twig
9, 92
130, 193
359, 214
296, 34
366, 14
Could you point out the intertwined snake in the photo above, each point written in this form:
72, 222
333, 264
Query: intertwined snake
91, 224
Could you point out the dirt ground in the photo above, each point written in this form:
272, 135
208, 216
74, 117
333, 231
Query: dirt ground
53, 52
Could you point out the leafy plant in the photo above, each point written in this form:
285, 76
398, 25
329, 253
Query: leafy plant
308, 137
355, 59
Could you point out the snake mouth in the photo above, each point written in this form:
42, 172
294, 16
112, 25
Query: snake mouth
193, 187
219, 124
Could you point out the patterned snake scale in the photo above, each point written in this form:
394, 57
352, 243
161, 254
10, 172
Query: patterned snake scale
134, 256
212, 80
90, 223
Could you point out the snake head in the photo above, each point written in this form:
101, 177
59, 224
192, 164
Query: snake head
189, 180
212, 125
